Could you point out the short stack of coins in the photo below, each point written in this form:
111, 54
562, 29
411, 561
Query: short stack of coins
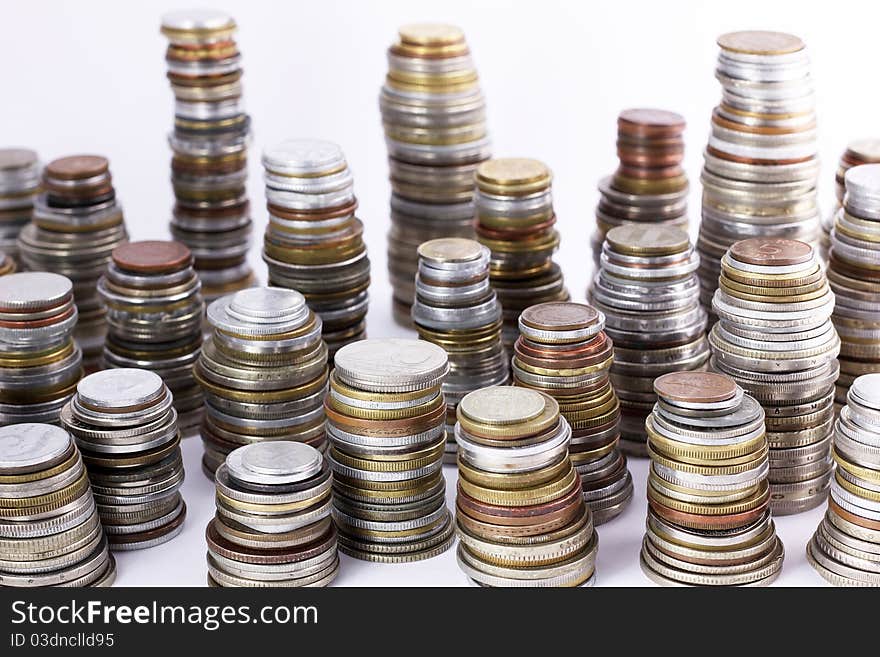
775, 338
456, 308
264, 373
648, 290
515, 221
708, 518
126, 429
50, 532
434, 116
857, 153
845, 549
272, 527
154, 318
77, 222
761, 166
20, 170
314, 242
386, 425
210, 140
40, 363
520, 513
563, 352
650, 186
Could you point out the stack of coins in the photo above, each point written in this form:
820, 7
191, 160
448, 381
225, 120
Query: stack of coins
650, 185
126, 428
385, 421
76, 225
563, 352
520, 515
50, 533
19, 184
648, 290
40, 363
210, 139
154, 317
515, 220
456, 308
263, 371
708, 518
434, 116
845, 549
7, 265
761, 167
857, 153
314, 242
775, 338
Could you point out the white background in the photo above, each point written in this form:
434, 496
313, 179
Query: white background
89, 76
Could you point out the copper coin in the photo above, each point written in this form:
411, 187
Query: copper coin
559, 316
561, 360
695, 387
268, 555
650, 122
152, 256
654, 173
867, 523
709, 522
313, 215
389, 428
572, 510
77, 167
489, 529
769, 251
518, 515
721, 155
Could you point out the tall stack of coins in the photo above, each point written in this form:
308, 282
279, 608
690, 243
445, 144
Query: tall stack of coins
761, 167
648, 290
845, 549
708, 517
515, 221
77, 223
385, 421
40, 363
563, 352
210, 139
273, 526
857, 153
650, 186
126, 428
50, 533
775, 338
520, 514
264, 373
434, 116
456, 308
314, 242
154, 316
19, 184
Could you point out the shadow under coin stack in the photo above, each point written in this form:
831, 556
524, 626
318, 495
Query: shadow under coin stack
563, 352
154, 317
857, 153
19, 185
774, 337
520, 514
40, 363
761, 165
314, 242
273, 526
126, 429
263, 371
210, 139
434, 116
515, 222
456, 308
76, 225
50, 533
386, 424
708, 518
648, 290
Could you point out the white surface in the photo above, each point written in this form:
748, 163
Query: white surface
89, 76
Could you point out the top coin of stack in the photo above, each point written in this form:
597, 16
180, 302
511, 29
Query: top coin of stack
857, 153
209, 140
314, 242
434, 116
19, 185
761, 166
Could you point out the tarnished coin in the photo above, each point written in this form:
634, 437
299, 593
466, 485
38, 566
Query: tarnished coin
768, 252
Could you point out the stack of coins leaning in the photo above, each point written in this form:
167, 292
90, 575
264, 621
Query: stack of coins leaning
126, 429
264, 373
154, 316
314, 242
520, 514
50, 533
708, 517
857, 153
386, 424
210, 138
77, 222
775, 338
19, 185
273, 526
434, 116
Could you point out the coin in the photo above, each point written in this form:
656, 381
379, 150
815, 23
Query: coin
19, 186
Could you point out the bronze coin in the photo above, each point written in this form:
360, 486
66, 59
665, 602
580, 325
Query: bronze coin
709, 522
519, 515
867, 523
642, 116
268, 555
77, 167
313, 215
152, 256
559, 316
721, 155
695, 387
769, 252
490, 530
